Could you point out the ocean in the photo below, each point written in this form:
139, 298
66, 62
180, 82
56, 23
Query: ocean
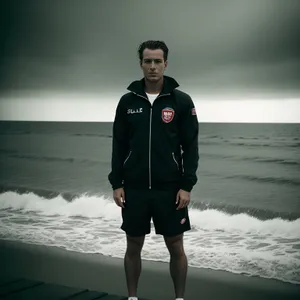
245, 208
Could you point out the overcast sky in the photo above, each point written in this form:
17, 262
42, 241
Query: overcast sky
72, 60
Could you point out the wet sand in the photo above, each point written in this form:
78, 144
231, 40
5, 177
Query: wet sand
101, 273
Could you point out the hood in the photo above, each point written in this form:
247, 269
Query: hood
138, 86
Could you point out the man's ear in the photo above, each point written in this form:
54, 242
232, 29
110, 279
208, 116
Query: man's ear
166, 64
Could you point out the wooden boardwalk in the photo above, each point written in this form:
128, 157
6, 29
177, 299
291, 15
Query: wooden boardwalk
26, 289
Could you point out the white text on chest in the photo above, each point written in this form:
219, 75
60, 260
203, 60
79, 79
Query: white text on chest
134, 110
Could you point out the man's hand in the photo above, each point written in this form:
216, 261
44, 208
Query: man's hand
183, 198
119, 197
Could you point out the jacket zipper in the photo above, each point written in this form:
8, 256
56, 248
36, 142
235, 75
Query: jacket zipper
150, 132
127, 158
173, 154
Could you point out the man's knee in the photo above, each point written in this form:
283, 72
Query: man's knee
134, 245
175, 245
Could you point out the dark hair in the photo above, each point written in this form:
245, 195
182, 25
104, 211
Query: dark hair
153, 45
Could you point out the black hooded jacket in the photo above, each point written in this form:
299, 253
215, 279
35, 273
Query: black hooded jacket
155, 145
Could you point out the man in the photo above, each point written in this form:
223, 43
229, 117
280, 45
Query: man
154, 164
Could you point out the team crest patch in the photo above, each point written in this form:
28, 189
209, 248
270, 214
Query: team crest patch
182, 221
167, 114
194, 111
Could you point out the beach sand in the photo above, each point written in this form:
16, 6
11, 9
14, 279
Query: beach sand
101, 273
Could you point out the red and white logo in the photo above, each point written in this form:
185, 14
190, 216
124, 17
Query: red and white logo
182, 221
167, 114
194, 113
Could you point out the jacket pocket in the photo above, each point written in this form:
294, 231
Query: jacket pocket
172, 169
127, 158
135, 167
165, 167
175, 160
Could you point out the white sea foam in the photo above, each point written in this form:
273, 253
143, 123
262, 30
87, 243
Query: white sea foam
91, 224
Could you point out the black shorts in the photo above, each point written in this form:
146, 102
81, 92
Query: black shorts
141, 205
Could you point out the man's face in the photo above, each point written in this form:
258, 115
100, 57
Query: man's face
153, 64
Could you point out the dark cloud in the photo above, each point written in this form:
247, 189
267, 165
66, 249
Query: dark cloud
91, 45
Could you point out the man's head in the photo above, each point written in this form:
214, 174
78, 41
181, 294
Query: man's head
153, 57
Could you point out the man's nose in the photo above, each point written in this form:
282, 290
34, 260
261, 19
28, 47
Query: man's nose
152, 67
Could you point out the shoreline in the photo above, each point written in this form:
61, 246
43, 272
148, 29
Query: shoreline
103, 273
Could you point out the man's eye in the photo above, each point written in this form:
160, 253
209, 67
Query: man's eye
155, 61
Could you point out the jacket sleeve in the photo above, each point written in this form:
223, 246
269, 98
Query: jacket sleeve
119, 147
189, 129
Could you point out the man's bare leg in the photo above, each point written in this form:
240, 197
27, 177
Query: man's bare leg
133, 263
178, 263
